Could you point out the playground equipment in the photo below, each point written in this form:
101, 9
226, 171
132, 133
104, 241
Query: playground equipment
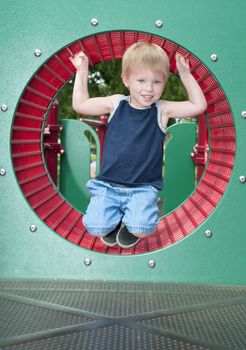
164, 293
194, 242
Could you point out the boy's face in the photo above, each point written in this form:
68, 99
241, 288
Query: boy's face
145, 86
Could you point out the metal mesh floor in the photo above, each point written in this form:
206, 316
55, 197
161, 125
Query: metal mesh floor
118, 316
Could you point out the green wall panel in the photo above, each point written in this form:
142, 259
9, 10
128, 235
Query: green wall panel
202, 27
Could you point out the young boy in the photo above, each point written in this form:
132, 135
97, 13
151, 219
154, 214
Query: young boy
126, 189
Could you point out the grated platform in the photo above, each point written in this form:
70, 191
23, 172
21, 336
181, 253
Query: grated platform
117, 316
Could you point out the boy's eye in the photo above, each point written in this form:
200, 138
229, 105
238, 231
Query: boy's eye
141, 80
157, 82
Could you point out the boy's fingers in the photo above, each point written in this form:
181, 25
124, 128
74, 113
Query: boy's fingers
177, 56
80, 54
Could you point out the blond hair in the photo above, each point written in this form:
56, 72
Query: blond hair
145, 54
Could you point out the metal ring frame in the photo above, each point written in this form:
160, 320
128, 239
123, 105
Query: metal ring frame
41, 193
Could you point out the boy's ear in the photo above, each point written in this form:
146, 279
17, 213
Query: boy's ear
125, 80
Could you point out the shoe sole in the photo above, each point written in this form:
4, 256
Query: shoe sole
127, 246
109, 244
112, 243
122, 245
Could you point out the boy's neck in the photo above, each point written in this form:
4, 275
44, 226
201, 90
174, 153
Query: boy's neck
132, 105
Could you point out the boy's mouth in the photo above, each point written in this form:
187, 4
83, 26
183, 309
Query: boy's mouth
147, 97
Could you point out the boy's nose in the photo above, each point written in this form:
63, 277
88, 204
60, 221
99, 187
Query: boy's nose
148, 86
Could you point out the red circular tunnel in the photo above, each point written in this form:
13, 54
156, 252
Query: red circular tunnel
30, 168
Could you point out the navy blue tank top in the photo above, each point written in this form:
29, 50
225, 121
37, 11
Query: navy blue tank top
133, 147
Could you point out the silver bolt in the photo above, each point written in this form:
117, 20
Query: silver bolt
214, 57
208, 234
158, 23
242, 179
244, 114
33, 228
152, 263
4, 107
94, 22
2, 172
87, 261
195, 147
37, 52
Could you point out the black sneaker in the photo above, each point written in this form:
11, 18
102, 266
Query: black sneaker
110, 239
125, 239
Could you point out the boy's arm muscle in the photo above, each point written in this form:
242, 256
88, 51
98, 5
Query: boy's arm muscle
96, 105
81, 101
196, 103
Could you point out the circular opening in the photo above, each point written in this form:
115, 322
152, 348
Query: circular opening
27, 145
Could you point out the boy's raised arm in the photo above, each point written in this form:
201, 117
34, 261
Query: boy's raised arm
81, 101
196, 103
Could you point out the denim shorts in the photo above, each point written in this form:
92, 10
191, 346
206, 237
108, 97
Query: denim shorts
111, 203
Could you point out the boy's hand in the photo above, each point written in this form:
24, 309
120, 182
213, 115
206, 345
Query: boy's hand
182, 65
80, 61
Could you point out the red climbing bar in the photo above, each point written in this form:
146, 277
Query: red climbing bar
199, 155
51, 146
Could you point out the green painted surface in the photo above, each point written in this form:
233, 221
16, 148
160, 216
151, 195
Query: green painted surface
179, 167
202, 27
75, 163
